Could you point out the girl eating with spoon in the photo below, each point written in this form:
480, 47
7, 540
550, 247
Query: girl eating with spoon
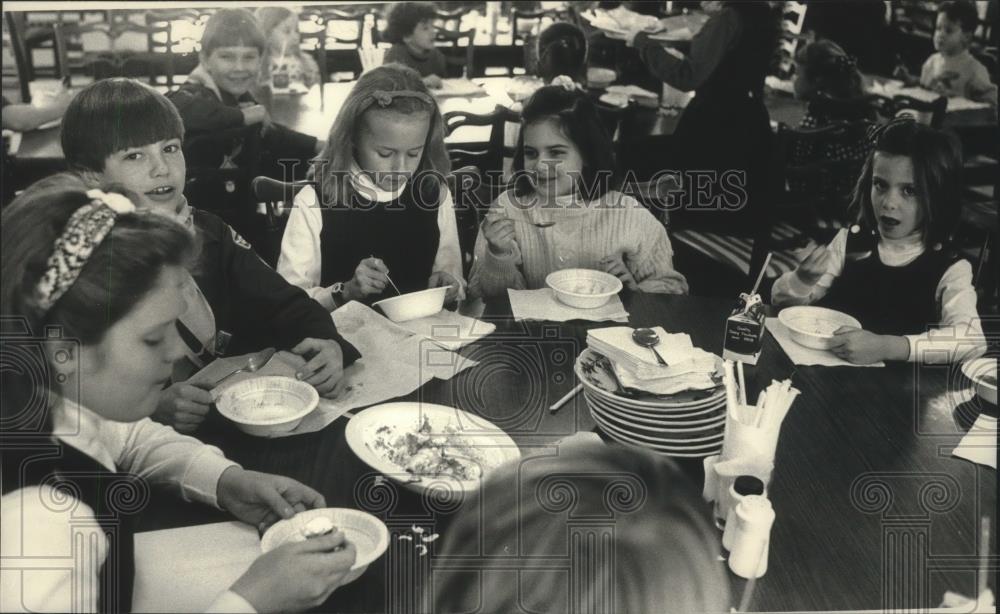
91, 295
379, 190
893, 269
565, 210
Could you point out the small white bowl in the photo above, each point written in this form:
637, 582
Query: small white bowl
600, 78
980, 371
369, 535
413, 305
813, 327
583, 288
267, 405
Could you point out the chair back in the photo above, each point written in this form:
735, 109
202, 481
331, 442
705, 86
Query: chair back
16, 30
277, 198
460, 56
113, 62
487, 157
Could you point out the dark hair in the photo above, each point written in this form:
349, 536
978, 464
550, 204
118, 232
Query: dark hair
562, 50
937, 174
404, 17
116, 276
338, 155
232, 28
829, 70
115, 114
962, 12
580, 122
650, 516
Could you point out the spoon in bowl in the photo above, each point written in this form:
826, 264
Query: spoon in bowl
647, 338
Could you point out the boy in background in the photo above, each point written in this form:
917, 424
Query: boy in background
411, 31
952, 71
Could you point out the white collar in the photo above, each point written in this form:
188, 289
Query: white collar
367, 188
80, 427
900, 252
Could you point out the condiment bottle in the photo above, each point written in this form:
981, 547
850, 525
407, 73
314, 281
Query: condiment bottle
751, 536
742, 486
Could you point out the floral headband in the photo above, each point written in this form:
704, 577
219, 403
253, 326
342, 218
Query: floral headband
384, 98
84, 232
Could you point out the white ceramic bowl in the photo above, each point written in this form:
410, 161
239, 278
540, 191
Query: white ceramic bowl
583, 288
413, 305
600, 78
983, 373
268, 405
813, 326
369, 535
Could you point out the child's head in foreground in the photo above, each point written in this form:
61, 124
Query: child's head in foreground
664, 545
124, 133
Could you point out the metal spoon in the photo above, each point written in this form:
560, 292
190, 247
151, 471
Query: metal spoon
254, 363
647, 338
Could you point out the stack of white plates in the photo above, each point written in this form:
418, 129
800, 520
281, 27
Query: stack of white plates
688, 424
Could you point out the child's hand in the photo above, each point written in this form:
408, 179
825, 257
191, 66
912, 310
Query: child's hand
441, 278
814, 266
254, 114
261, 499
863, 347
615, 265
324, 369
499, 233
433, 81
184, 405
370, 277
297, 576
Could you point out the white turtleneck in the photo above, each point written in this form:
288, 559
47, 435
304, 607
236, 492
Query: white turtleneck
300, 262
960, 332
42, 567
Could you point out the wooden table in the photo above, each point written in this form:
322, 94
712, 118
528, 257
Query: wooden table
872, 511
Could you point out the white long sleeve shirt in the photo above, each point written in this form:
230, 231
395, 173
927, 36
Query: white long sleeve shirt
960, 332
301, 260
42, 566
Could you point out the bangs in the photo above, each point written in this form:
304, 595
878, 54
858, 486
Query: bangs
112, 115
232, 28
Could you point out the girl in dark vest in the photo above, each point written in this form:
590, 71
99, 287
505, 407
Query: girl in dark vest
380, 207
90, 298
893, 269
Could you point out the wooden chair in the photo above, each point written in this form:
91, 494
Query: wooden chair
926, 112
345, 34
488, 157
537, 18
459, 63
112, 63
450, 20
277, 197
25, 74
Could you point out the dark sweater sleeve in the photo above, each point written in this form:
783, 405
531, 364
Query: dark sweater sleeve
284, 142
708, 47
201, 111
273, 303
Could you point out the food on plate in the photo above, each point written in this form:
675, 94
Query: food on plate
424, 453
817, 326
318, 526
586, 286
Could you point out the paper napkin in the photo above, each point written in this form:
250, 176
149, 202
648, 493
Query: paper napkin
803, 356
980, 444
542, 304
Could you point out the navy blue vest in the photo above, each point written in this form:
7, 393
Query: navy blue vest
888, 300
403, 233
115, 498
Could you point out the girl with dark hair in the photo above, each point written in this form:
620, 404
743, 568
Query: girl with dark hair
893, 269
565, 209
90, 298
561, 49
726, 126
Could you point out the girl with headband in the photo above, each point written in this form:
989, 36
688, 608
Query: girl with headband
380, 206
90, 299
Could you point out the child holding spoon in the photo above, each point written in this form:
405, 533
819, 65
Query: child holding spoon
893, 269
565, 210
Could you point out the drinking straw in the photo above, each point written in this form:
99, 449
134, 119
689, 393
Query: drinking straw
569, 395
760, 276
748, 589
743, 383
984, 554
727, 368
